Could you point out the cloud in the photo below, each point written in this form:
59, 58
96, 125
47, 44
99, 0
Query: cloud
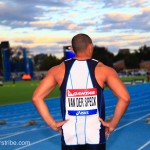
54, 49
62, 24
42, 24
124, 3
19, 13
121, 21
116, 42
14, 12
24, 41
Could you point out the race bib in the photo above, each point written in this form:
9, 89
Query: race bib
81, 102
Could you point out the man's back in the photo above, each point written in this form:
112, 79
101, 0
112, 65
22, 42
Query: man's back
82, 103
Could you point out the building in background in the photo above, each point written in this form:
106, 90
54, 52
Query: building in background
145, 65
124, 51
119, 65
15, 61
5, 60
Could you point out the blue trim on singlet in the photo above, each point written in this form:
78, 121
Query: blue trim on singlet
71, 80
87, 80
85, 129
76, 130
88, 73
100, 110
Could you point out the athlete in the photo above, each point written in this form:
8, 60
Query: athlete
81, 81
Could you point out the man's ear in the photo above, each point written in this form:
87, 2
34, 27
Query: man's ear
71, 48
90, 47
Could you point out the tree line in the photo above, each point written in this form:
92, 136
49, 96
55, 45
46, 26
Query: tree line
45, 61
132, 60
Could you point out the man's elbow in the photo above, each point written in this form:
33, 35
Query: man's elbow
35, 99
127, 99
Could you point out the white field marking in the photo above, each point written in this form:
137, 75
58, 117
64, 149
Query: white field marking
136, 120
17, 127
59, 134
137, 101
58, 107
134, 97
110, 106
8, 134
29, 101
59, 114
20, 121
143, 146
133, 102
137, 106
34, 113
38, 141
6, 128
28, 116
17, 133
17, 115
131, 108
135, 112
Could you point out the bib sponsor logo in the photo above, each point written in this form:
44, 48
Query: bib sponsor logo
82, 112
81, 92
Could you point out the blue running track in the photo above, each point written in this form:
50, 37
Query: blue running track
132, 133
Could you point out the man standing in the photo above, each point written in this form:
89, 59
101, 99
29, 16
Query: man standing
81, 81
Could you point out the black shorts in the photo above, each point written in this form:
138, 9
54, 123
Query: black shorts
84, 147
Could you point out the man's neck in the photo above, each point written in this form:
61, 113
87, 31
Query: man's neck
82, 57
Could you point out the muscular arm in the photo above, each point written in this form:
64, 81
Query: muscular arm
119, 90
45, 87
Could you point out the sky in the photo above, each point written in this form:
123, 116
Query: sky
45, 26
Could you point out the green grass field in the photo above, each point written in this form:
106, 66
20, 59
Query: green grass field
19, 92
22, 91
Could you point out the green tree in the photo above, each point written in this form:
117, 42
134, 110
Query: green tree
49, 62
131, 61
143, 53
102, 54
1, 64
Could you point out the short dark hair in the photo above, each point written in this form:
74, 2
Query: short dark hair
80, 42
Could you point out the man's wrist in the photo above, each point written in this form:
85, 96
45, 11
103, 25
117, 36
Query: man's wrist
53, 125
113, 123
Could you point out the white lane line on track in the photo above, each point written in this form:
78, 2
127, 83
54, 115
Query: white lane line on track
132, 122
131, 107
38, 141
143, 146
59, 134
135, 112
17, 133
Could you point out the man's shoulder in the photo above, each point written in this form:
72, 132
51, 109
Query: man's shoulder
104, 68
57, 68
